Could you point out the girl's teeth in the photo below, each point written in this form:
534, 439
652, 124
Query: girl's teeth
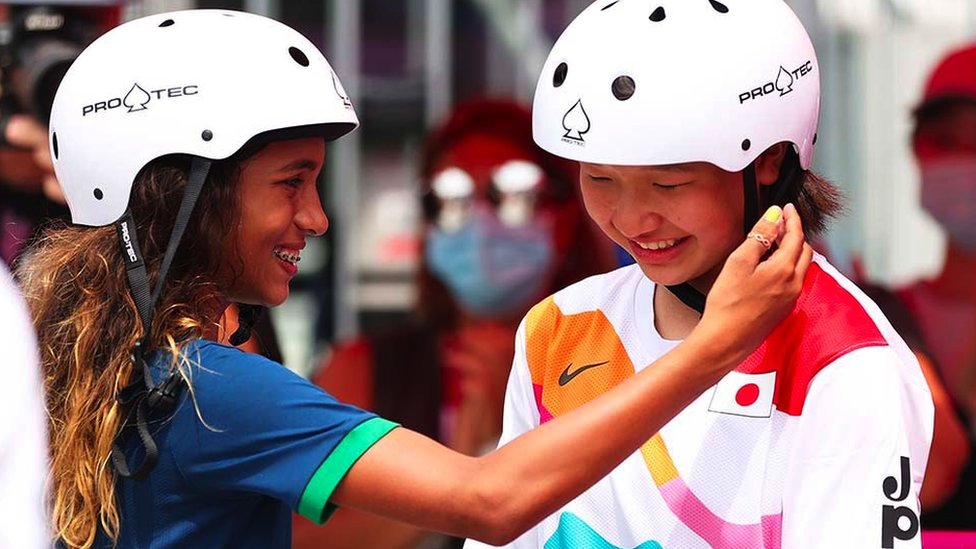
657, 245
292, 258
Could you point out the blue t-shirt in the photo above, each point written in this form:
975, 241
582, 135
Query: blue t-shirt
251, 442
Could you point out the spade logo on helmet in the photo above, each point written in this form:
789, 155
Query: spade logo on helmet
785, 80
138, 99
576, 123
341, 92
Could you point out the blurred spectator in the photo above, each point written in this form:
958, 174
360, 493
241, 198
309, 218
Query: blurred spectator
951, 446
23, 438
39, 42
944, 143
504, 227
29, 192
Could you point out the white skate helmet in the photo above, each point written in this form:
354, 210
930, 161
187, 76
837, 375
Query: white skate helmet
199, 82
632, 82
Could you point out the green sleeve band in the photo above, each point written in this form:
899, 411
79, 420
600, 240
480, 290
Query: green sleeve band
314, 503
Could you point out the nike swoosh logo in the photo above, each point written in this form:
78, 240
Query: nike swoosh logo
568, 376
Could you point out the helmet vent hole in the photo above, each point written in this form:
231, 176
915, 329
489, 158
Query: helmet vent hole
718, 6
98, 194
559, 76
815, 138
746, 144
299, 56
658, 15
610, 5
623, 87
207, 135
167, 23
54, 144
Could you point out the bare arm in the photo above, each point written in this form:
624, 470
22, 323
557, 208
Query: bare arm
496, 497
348, 377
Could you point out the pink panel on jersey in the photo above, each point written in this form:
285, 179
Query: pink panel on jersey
544, 414
716, 531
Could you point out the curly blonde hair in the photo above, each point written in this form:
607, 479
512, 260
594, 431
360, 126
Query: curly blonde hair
75, 284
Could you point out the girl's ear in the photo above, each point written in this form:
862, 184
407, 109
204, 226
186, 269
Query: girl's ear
769, 163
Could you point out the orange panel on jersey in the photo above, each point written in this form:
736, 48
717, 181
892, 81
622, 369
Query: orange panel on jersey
573, 358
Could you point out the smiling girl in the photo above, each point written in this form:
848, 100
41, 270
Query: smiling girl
687, 120
189, 145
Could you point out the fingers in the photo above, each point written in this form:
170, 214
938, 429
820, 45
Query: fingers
806, 257
792, 240
761, 237
23, 131
793, 255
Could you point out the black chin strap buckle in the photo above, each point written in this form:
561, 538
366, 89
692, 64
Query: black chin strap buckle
143, 402
160, 398
163, 397
137, 354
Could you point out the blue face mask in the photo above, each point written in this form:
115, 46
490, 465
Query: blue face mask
491, 269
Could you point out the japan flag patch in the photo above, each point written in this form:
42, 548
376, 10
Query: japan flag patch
749, 395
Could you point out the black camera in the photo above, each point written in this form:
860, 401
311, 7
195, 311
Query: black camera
38, 43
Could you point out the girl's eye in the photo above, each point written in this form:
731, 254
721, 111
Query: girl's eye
669, 186
293, 182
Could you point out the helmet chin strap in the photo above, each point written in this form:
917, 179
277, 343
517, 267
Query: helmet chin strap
750, 191
144, 401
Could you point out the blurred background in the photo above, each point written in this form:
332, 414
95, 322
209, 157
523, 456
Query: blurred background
407, 63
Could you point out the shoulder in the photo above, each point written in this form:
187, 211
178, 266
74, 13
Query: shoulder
226, 381
234, 396
596, 294
580, 329
831, 321
868, 392
593, 292
212, 359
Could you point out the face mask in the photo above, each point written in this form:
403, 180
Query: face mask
949, 195
491, 269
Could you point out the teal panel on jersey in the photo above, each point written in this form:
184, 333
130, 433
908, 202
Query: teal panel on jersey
574, 532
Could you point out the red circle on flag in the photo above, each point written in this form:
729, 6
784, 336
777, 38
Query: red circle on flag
747, 395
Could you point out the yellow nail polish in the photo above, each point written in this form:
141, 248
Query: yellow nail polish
773, 214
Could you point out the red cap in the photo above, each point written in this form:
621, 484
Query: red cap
953, 78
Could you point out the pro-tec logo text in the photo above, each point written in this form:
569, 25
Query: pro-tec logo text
138, 98
785, 80
127, 240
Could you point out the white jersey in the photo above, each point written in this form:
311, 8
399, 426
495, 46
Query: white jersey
819, 439
23, 430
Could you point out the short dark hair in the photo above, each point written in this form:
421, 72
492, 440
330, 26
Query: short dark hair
817, 199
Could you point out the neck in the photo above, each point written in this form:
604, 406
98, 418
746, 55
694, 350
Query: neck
672, 318
216, 319
956, 278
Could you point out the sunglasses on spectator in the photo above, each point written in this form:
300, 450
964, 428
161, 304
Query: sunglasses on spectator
517, 190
